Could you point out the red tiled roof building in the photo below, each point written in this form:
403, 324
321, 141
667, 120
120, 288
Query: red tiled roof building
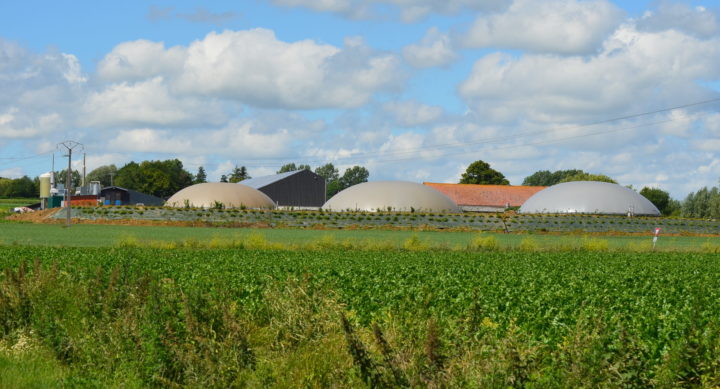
486, 198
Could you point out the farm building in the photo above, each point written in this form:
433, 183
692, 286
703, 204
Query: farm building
486, 198
115, 195
299, 188
391, 195
227, 195
589, 197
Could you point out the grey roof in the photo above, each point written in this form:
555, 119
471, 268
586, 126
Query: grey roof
589, 197
260, 182
398, 195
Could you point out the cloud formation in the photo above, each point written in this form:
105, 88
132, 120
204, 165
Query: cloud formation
253, 67
434, 50
634, 71
553, 26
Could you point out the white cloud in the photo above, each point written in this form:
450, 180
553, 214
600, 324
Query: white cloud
141, 59
255, 68
150, 140
435, 49
147, 103
95, 160
712, 124
635, 71
14, 125
698, 21
412, 113
555, 26
13, 172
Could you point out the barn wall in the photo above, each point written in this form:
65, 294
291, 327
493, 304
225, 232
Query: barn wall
304, 189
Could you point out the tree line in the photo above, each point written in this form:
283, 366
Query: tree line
705, 203
164, 178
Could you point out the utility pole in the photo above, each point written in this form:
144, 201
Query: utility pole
69, 145
84, 171
111, 177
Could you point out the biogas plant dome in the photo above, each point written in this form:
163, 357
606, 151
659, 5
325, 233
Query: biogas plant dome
394, 195
589, 197
207, 195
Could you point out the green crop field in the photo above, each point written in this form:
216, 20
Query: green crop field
110, 235
232, 317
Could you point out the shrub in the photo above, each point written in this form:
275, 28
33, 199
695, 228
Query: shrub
529, 244
484, 242
594, 244
414, 244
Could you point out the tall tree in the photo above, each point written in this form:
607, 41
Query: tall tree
290, 167
588, 177
201, 176
705, 203
353, 176
547, 178
238, 174
158, 178
480, 172
660, 198
332, 179
103, 174
4, 185
61, 177
328, 171
22, 187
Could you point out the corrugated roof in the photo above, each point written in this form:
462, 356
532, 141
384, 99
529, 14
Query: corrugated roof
486, 195
260, 182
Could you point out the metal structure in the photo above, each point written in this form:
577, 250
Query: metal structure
115, 195
70, 145
212, 194
589, 197
299, 188
400, 196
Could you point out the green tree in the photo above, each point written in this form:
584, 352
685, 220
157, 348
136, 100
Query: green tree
22, 187
547, 178
103, 174
353, 176
290, 167
332, 179
201, 176
705, 203
328, 171
223, 178
158, 178
129, 176
238, 174
61, 177
588, 177
480, 172
4, 185
660, 198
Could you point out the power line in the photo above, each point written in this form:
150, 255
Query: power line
260, 161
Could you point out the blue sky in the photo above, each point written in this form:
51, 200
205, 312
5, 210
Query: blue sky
413, 90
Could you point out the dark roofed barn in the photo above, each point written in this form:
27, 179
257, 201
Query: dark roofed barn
299, 188
113, 194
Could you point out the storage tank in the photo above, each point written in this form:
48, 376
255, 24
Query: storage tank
400, 196
45, 185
